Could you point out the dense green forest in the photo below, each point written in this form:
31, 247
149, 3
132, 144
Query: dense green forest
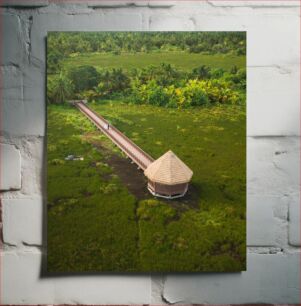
179, 91
162, 83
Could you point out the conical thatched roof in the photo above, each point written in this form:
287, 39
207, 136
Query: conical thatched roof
169, 170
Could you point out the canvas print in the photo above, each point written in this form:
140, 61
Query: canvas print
146, 152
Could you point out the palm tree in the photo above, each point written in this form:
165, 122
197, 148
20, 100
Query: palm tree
60, 88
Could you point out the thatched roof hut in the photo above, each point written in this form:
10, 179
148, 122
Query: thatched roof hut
168, 176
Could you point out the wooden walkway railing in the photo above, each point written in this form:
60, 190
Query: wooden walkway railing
136, 154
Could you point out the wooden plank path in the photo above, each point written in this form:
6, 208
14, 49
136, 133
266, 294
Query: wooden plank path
136, 154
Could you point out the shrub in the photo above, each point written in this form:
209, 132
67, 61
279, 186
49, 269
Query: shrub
155, 210
150, 93
163, 74
54, 58
57, 161
238, 78
83, 77
217, 73
193, 93
201, 72
219, 91
108, 189
90, 95
111, 82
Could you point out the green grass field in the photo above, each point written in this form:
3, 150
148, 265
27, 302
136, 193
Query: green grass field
182, 60
96, 222
87, 204
101, 218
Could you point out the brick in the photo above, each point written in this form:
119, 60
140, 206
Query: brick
12, 96
21, 280
115, 4
261, 224
157, 284
12, 44
10, 160
268, 279
126, 4
273, 165
265, 30
11, 85
121, 22
250, 3
276, 89
33, 166
23, 284
24, 3
170, 23
66, 7
162, 4
23, 106
22, 221
294, 221
286, 159
34, 101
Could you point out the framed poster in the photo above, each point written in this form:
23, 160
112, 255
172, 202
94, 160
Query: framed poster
146, 151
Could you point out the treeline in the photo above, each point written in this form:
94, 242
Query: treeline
161, 85
62, 44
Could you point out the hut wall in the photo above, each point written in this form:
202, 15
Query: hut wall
168, 189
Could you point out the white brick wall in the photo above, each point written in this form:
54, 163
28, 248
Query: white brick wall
12, 42
24, 3
294, 220
269, 279
10, 171
23, 221
273, 151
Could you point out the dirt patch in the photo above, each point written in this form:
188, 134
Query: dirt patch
136, 182
132, 177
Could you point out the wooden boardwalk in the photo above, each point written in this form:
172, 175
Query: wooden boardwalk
136, 154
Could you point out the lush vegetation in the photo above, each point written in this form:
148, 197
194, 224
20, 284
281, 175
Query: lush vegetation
185, 93
211, 236
62, 44
161, 85
165, 83
96, 223
85, 214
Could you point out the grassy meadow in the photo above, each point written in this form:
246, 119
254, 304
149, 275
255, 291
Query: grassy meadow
101, 217
127, 61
